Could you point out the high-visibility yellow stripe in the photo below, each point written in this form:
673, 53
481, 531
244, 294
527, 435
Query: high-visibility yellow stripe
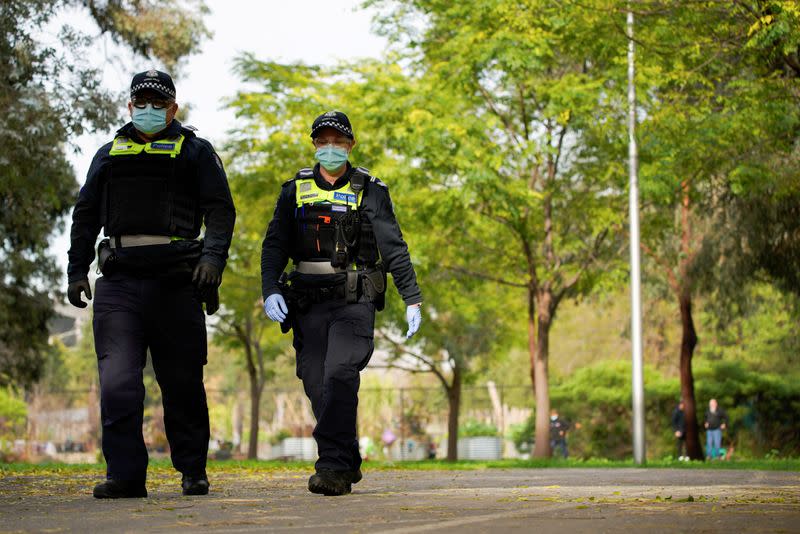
307, 192
124, 146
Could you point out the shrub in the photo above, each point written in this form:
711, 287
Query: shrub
472, 429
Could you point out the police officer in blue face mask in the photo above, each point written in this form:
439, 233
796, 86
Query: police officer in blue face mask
150, 190
336, 223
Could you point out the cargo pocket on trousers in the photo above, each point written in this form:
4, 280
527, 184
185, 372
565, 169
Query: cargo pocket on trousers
298, 361
364, 335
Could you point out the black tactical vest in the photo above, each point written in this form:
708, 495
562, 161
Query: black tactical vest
327, 217
150, 189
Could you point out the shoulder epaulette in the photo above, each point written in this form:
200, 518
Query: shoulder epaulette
378, 182
188, 131
289, 181
305, 172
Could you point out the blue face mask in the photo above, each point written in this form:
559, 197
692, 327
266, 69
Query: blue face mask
331, 157
149, 120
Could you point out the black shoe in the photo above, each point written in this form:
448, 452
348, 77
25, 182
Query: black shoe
195, 484
355, 476
119, 489
329, 482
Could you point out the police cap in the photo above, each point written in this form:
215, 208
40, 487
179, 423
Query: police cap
154, 80
332, 119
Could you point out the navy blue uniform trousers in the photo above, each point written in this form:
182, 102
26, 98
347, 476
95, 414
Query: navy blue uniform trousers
334, 342
132, 315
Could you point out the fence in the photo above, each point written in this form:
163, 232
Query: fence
398, 423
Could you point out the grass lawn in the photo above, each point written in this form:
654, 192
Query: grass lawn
164, 465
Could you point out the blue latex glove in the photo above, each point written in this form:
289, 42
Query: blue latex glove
275, 307
414, 318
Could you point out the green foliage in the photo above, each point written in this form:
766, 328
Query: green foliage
522, 435
49, 96
279, 436
757, 328
499, 129
12, 408
13, 412
165, 30
762, 408
473, 428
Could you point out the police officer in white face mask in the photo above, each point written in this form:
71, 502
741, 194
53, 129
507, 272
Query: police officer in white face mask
337, 225
151, 190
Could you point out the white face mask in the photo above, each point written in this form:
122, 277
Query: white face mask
553, 417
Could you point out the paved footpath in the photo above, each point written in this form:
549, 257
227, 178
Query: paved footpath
493, 500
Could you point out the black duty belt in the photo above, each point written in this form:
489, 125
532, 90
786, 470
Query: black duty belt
316, 295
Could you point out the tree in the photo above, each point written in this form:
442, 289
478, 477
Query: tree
464, 328
716, 114
526, 84
51, 95
266, 149
242, 327
272, 143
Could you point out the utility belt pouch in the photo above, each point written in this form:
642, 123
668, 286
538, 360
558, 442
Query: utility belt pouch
339, 256
105, 257
351, 286
374, 287
290, 296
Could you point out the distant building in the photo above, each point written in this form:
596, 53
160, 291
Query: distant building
67, 323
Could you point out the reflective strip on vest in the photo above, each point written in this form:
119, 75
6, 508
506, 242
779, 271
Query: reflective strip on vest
307, 192
125, 146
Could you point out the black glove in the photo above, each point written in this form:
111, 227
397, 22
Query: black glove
211, 298
206, 274
74, 292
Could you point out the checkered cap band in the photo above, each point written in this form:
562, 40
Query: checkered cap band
334, 124
156, 86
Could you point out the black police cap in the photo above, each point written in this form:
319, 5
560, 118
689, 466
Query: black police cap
154, 80
332, 119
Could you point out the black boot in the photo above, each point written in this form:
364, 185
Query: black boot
195, 484
120, 489
329, 482
355, 476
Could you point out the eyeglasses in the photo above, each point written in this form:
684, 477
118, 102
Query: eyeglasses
157, 103
339, 142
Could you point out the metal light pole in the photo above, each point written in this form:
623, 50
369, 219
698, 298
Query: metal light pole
636, 296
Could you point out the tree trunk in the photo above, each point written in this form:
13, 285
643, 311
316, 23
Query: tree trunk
541, 389
454, 406
688, 344
688, 334
238, 424
532, 336
255, 409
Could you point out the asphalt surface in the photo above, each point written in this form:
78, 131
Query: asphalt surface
493, 500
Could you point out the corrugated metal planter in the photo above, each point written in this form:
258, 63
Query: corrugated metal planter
295, 449
480, 448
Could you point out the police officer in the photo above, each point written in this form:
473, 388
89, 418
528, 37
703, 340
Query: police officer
150, 190
337, 224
